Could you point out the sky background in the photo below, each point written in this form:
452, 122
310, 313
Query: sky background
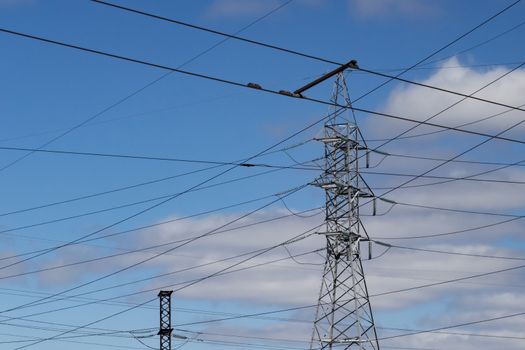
45, 90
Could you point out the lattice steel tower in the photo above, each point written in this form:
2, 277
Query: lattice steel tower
344, 317
165, 329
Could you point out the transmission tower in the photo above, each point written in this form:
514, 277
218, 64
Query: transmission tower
165, 329
344, 317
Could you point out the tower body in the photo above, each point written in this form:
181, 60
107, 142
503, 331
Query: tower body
165, 329
344, 317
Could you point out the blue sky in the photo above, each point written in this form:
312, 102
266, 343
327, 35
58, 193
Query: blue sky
46, 90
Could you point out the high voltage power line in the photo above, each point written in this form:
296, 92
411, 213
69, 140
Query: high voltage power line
301, 254
438, 159
132, 251
315, 100
167, 222
458, 126
111, 316
137, 157
235, 317
136, 185
208, 233
419, 123
223, 270
129, 204
160, 203
92, 301
264, 165
242, 85
425, 250
151, 83
312, 56
98, 211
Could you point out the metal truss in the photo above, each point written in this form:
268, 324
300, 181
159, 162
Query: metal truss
165, 329
344, 317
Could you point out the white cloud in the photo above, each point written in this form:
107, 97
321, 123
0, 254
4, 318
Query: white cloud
420, 103
289, 284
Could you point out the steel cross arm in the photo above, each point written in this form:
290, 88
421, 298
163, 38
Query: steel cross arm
351, 64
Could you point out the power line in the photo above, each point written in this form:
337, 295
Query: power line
391, 78
462, 153
80, 334
403, 290
129, 251
185, 286
67, 339
212, 31
106, 288
6, 231
138, 157
484, 213
386, 328
463, 178
284, 340
185, 283
167, 251
79, 327
118, 118
484, 335
484, 42
409, 156
167, 222
432, 330
145, 183
267, 149
458, 155
437, 331
319, 58
129, 204
304, 341
142, 261
464, 211
93, 330
234, 83
447, 90
106, 301
458, 126
469, 177
274, 91
261, 314
454, 232
453, 253
461, 66
151, 83
157, 204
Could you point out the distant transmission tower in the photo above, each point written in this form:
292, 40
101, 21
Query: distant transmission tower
165, 329
344, 317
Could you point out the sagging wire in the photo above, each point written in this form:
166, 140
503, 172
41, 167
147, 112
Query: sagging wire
284, 149
384, 156
300, 262
380, 255
140, 337
392, 205
370, 241
297, 214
